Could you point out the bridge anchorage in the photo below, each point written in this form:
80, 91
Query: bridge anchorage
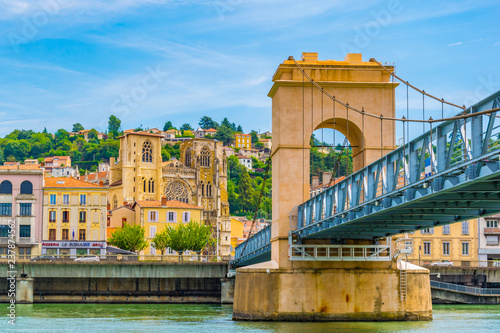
328, 255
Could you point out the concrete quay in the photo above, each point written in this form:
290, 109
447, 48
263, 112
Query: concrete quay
135, 282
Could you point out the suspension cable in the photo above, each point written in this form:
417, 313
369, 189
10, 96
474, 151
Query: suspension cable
464, 115
415, 88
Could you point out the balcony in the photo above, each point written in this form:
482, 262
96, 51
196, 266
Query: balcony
492, 231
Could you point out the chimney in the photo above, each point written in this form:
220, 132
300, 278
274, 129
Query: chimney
327, 177
108, 206
354, 57
101, 183
315, 181
163, 200
309, 56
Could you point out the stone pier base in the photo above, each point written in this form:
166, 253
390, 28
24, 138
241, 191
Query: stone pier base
351, 291
24, 290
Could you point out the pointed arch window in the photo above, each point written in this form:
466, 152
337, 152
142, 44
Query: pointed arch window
143, 185
147, 152
151, 185
205, 157
115, 201
187, 157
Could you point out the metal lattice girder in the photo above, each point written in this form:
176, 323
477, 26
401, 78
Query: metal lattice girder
462, 182
257, 250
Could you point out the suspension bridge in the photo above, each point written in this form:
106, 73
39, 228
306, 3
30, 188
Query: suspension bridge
330, 256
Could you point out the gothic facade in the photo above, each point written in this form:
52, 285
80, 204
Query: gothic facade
199, 178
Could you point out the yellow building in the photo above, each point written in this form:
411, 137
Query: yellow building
236, 233
268, 143
156, 216
243, 140
74, 212
118, 217
457, 242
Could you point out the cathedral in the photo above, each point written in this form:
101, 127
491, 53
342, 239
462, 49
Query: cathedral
199, 178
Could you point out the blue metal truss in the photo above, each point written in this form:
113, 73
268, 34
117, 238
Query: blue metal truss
447, 175
257, 249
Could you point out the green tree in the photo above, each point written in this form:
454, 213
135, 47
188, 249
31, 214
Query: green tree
255, 137
130, 238
234, 204
226, 123
239, 129
178, 238
246, 193
259, 145
199, 236
114, 125
77, 127
92, 135
18, 149
225, 134
161, 241
187, 134
165, 154
207, 123
186, 127
168, 125
61, 134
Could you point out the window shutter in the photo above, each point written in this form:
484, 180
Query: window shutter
175, 216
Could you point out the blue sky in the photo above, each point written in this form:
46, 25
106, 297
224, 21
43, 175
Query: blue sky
149, 61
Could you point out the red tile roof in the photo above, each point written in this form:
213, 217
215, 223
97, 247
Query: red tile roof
92, 176
170, 204
68, 182
20, 167
331, 183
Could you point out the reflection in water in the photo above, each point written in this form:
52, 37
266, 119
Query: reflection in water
204, 318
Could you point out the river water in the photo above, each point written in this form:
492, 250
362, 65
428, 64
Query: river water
203, 318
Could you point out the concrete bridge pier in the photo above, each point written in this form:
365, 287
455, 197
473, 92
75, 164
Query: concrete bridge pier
345, 291
24, 290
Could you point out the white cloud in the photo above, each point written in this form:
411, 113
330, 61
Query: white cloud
455, 44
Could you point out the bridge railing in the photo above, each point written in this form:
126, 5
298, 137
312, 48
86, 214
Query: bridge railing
449, 154
254, 246
191, 257
461, 264
465, 289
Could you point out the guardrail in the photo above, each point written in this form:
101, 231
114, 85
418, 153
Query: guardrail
192, 257
495, 264
465, 289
